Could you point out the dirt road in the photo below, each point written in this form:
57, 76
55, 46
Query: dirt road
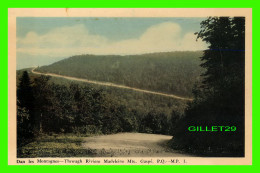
111, 85
130, 145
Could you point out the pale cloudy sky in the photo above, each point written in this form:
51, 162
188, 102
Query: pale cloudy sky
46, 40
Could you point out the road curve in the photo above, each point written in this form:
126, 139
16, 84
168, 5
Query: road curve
131, 145
111, 85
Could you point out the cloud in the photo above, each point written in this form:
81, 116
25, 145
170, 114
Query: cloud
72, 40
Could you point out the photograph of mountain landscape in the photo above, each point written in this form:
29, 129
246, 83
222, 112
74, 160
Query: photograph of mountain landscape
130, 87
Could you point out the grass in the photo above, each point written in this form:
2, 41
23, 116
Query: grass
64, 145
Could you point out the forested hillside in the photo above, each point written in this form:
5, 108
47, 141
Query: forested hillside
48, 107
170, 72
142, 102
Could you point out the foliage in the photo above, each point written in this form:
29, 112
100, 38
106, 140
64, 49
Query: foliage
155, 122
81, 110
54, 145
169, 72
25, 110
219, 99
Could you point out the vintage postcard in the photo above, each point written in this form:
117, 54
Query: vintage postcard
112, 86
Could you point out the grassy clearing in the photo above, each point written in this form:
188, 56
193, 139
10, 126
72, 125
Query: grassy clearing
64, 145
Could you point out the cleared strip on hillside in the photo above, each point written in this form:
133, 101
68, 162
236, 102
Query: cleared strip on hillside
111, 85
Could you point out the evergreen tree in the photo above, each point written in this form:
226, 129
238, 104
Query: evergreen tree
219, 100
43, 103
25, 110
25, 92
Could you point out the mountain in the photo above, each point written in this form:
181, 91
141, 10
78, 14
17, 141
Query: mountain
168, 72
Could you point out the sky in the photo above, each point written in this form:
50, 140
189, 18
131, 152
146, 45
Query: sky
44, 40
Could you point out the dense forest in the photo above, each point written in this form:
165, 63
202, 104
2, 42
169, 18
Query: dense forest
46, 107
169, 72
219, 100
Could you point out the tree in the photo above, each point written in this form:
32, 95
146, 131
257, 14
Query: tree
174, 119
219, 99
43, 102
155, 122
25, 110
225, 57
25, 92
